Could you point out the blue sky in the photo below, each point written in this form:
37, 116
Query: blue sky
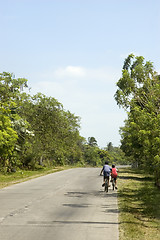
74, 51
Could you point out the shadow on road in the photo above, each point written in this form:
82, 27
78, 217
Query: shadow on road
143, 179
100, 193
68, 222
77, 205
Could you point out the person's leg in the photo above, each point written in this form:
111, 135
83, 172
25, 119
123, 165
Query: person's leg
108, 181
115, 183
104, 177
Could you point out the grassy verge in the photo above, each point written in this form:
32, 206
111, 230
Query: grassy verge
139, 205
22, 175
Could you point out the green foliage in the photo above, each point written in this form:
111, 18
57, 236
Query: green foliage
10, 100
110, 147
104, 155
8, 136
10, 90
92, 142
156, 170
116, 155
37, 130
137, 78
139, 92
91, 156
56, 131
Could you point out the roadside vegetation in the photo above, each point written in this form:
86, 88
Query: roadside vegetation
138, 93
37, 131
7, 179
139, 208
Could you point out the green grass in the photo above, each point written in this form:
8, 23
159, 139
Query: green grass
139, 206
24, 175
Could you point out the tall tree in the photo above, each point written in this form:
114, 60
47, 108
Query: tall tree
8, 138
109, 146
139, 93
56, 131
10, 97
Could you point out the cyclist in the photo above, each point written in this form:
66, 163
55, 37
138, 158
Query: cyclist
114, 175
106, 173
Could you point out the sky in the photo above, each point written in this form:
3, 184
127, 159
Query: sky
74, 50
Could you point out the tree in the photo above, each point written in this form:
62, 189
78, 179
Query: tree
92, 155
92, 141
10, 97
137, 79
8, 137
110, 146
56, 132
115, 154
10, 89
104, 155
139, 92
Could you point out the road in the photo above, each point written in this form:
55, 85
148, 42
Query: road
69, 205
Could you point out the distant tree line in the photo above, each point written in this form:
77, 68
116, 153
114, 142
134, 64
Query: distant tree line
139, 94
36, 130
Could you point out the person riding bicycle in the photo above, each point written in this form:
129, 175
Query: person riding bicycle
106, 173
114, 175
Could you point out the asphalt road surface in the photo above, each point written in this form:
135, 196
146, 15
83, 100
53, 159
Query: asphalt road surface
67, 205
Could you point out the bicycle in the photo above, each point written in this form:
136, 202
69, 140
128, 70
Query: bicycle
113, 180
106, 185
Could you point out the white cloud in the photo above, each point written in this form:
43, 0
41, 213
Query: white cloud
101, 74
78, 87
70, 71
77, 74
